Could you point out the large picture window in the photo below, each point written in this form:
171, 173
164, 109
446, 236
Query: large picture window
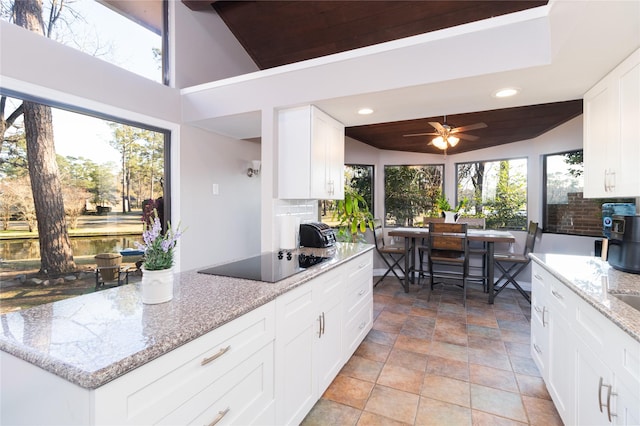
100, 176
410, 193
495, 190
565, 210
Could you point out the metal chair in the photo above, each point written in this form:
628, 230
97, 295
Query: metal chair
513, 264
391, 254
108, 269
448, 255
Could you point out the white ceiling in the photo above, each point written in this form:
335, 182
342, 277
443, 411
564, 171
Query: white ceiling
553, 53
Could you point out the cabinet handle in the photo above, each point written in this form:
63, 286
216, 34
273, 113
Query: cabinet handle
362, 324
361, 292
323, 323
215, 356
319, 326
557, 295
537, 348
362, 265
538, 277
219, 417
537, 309
544, 321
608, 403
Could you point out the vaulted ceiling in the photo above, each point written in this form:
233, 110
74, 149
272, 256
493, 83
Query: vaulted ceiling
276, 33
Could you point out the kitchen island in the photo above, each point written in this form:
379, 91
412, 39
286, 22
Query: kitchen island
584, 340
105, 350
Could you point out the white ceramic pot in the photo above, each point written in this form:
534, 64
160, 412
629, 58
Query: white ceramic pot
450, 217
157, 286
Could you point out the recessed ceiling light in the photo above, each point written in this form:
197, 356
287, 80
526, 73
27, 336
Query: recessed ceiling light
506, 92
365, 111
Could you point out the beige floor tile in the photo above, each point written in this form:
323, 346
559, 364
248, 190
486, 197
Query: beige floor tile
401, 378
449, 350
522, 350
524, 366
436, 413
381, 337
447, 336
489, 358
491, 345
541, 411
406, 359
498, 402
480, 418
412, 344
372, 419
362, 368
438, 366
349, 391
392, 403
446, 389
492, 377
532, 386
515, 336
485, 321
423, 312
327, 412
373, 351
484, 332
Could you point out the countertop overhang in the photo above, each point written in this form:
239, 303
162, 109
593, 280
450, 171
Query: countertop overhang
92, 339
594, 280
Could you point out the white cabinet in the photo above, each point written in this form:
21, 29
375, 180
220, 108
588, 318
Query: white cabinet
313, 323
590, 366
612, 133
310, 155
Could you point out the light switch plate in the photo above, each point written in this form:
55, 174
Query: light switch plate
216, 189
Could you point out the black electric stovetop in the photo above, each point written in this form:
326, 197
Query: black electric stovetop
267, 267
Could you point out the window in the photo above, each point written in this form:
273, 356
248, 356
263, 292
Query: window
131, 38
109, 171
496, 190
359, 177
565, 211
410, 193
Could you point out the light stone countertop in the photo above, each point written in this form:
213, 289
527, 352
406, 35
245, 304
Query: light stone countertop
594, 281
92, 339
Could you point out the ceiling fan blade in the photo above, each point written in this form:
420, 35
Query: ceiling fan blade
469, 127
467, 137
437, 126
422, 134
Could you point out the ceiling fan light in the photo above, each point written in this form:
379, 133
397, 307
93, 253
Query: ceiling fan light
453, 141
439, 142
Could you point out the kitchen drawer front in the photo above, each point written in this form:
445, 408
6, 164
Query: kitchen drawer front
593, 328
330, 283
540, 346
562, 299
541, 277
357, 294
539, 298
241, 396
361, 267
152, 391
356, 329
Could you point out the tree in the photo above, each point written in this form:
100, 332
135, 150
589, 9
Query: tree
410, 191
56, 255
474, 174
510, 200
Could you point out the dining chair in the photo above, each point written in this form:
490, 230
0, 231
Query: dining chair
478, 271
448, 255
391, 254
512, 264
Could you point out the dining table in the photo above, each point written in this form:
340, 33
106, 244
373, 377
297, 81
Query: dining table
487, 236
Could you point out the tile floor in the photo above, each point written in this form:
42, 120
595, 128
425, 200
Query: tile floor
438, 363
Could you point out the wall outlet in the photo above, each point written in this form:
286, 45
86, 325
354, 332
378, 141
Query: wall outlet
215, 189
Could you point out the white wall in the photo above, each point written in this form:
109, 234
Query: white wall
204, 49
219, 227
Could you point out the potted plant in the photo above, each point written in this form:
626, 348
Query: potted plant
450, 214
157, 267
354, 217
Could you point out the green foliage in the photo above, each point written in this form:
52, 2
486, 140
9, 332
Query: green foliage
411, 191
353, 215
510, 200
575, 159
442, 203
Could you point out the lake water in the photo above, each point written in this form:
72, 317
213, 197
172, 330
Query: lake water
25, 249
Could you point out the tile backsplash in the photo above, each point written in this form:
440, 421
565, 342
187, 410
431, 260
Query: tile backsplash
284, 211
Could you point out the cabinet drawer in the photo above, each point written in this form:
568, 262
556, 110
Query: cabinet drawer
358, 293
357, 328
540, 347
561, 299
361, 267
152, 391
540, 277
538, 303
593, 328
238, 397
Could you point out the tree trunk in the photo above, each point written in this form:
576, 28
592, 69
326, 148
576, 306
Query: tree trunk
55, 248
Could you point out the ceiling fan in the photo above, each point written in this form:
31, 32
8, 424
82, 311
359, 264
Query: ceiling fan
449, 136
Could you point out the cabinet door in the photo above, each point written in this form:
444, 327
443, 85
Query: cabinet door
561, 366
600, 146
629, 113
539, 330
329, 343
298, 327
594, 386
327, 157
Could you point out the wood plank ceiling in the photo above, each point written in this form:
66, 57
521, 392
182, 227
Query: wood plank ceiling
276, 33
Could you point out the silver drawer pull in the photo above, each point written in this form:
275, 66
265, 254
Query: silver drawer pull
362, 265
537, 348
609, 394
219, 417
557, 295
538, 277
544, 322
537, 308
361, 292
362, 324
215, 356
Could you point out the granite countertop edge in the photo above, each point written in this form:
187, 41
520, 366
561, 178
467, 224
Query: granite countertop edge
593, 291
197, 326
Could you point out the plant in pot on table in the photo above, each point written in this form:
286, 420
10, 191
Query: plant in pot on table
157, 268
354, 217
450, 214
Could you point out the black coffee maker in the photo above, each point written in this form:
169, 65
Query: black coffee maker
624, 244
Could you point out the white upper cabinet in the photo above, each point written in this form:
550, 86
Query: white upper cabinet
612, 133
310, 155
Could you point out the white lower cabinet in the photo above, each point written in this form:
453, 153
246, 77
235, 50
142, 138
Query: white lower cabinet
591, 367
312, 343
